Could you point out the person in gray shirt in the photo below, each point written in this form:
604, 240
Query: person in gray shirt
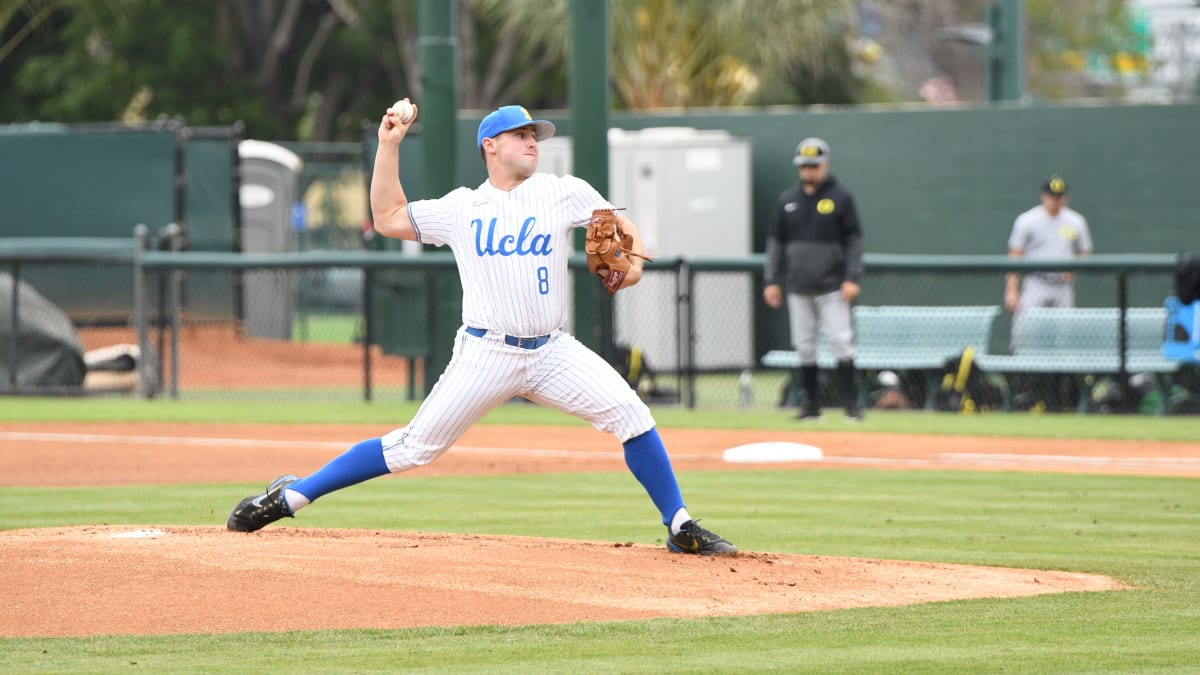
1050, 230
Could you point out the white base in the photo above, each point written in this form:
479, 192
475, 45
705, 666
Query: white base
773, 451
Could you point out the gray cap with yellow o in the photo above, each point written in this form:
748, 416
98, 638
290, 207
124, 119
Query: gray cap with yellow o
810, 152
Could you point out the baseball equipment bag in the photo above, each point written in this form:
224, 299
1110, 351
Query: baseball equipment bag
630, 362
609, 249
966, 388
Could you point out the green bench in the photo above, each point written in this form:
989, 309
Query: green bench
906, 337
1085, 341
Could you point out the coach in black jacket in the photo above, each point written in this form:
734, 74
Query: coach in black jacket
814, 251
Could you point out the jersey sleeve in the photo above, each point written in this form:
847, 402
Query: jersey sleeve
582, 199
1018, 239
432, 218
1083, 243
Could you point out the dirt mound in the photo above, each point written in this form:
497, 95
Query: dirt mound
98, 580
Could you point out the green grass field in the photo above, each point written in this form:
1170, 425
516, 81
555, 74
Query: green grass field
391, 414
1144, 531
330, 328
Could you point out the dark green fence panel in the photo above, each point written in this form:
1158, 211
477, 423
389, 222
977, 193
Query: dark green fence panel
952, 181
87, 182
213, 215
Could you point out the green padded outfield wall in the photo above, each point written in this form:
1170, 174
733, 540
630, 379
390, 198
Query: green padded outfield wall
59, 181
953, 181
65, 181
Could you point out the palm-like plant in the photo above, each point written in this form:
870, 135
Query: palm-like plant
683, 53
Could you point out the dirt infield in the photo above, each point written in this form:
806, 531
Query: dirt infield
168, 579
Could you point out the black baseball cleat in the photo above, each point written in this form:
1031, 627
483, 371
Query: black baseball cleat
695, 539
257, 511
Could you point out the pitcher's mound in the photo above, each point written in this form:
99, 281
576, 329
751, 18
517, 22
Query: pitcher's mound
161, 579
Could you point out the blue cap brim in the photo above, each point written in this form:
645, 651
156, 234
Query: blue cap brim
508, 118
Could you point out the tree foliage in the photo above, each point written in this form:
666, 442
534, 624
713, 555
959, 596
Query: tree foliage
286, 68
320, 69
1065, 35
689, 53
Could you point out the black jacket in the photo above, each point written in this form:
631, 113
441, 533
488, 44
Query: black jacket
814, 242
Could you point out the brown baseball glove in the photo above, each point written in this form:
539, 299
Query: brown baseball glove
609, 249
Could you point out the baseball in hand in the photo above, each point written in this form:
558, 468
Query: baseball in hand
403, 110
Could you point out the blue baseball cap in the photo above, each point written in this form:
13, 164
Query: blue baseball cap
508, 118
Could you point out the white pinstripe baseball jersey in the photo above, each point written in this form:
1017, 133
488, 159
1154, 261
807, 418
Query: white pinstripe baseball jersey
511, 248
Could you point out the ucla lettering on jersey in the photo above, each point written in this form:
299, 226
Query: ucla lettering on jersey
524, 243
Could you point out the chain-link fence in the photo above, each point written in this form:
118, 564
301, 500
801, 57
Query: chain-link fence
349, 325
332, 189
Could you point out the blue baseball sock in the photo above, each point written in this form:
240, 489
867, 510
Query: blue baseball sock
647, 459
361, 462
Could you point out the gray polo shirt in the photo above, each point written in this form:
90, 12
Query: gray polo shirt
1037, 234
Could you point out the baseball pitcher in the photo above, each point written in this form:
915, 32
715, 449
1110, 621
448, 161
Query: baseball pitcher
510, 238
